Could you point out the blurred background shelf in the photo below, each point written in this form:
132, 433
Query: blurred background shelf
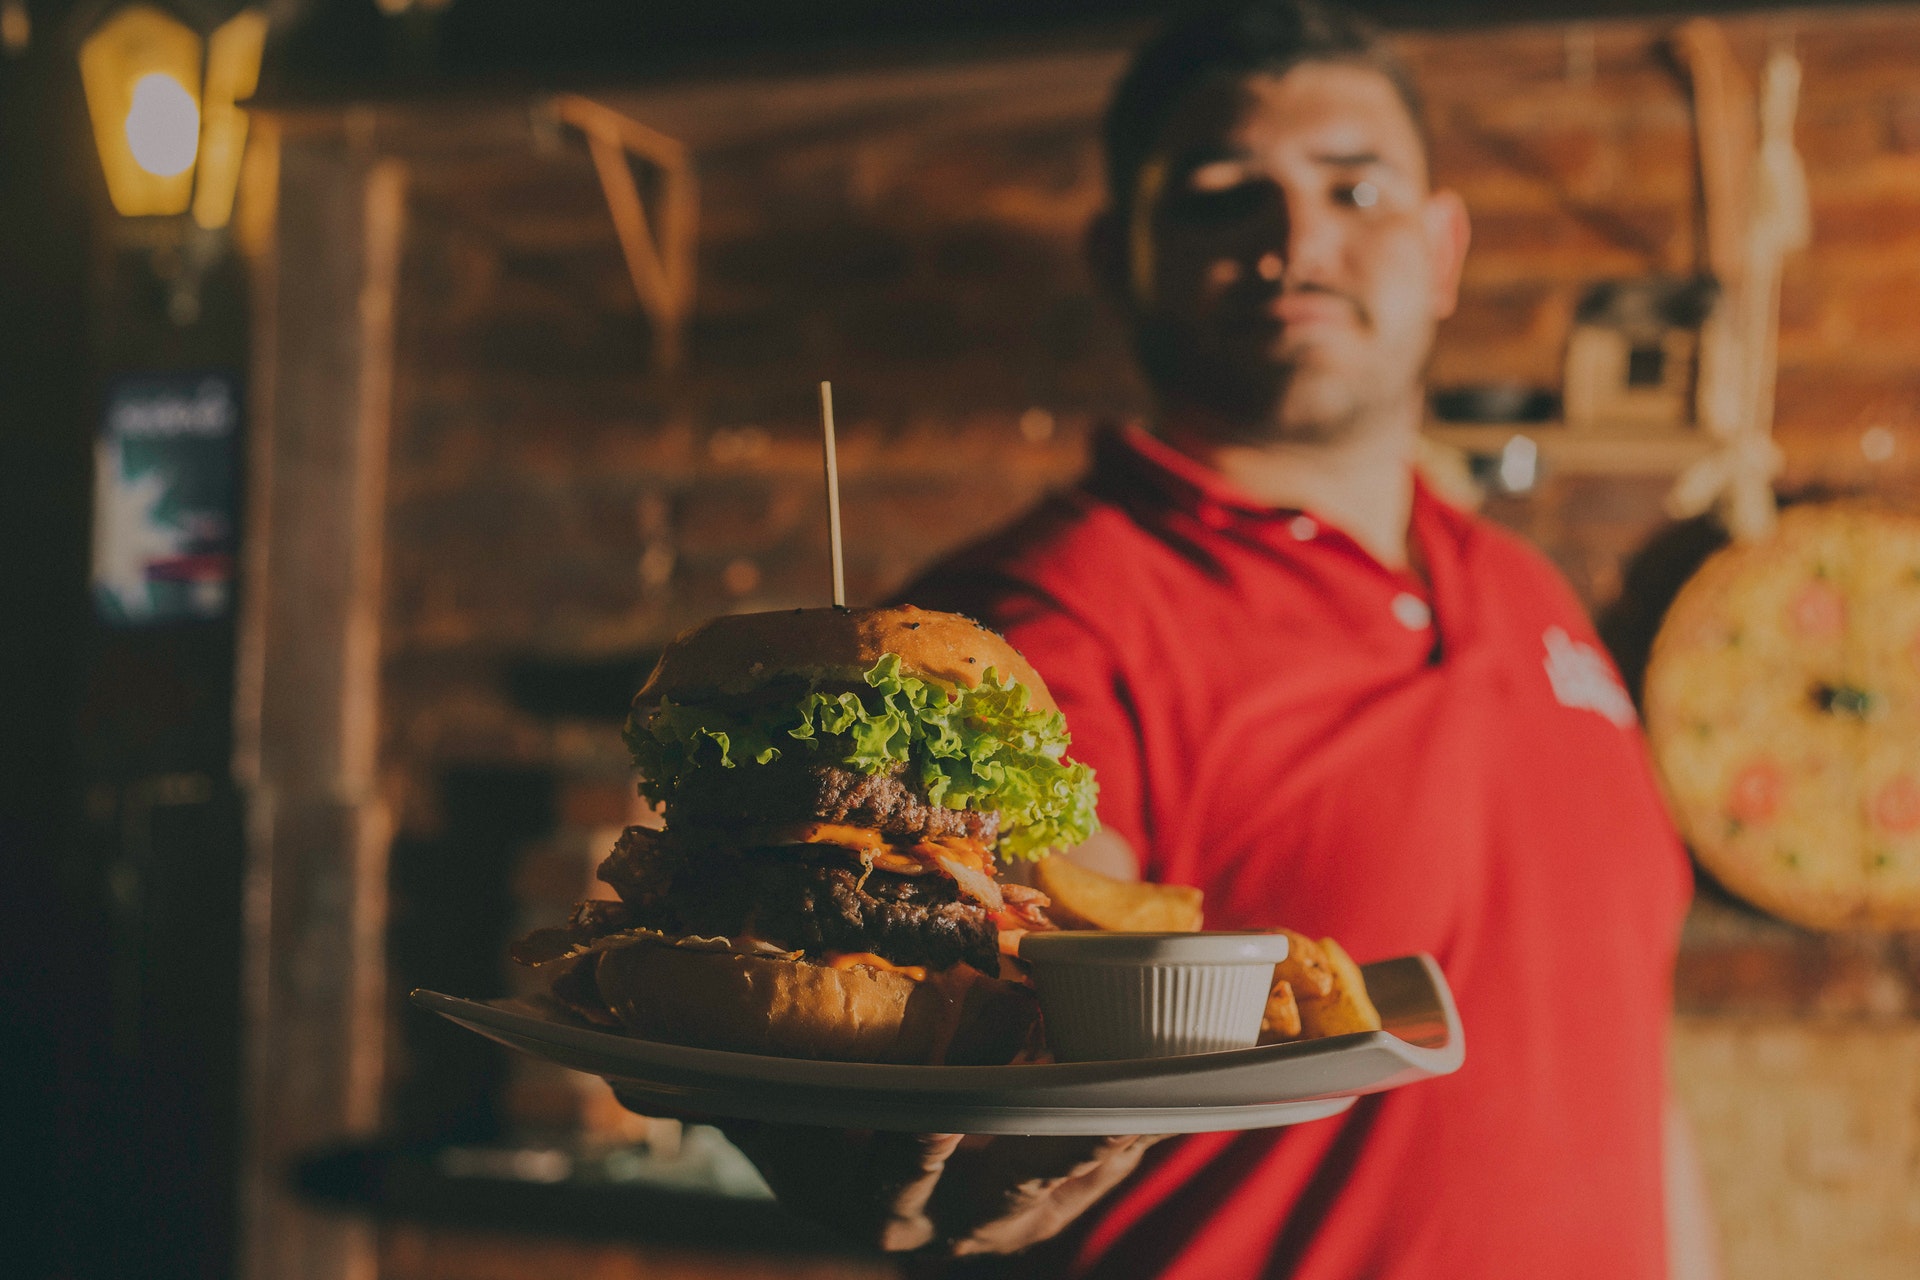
1569, 451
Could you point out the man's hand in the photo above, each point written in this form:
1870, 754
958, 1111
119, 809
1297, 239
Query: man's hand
1008, 1193
934, 1191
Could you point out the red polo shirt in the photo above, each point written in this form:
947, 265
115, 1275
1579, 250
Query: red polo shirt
1447, 766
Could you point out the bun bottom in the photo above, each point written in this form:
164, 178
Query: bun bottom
796, 1009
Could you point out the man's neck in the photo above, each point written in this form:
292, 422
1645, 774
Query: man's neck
1362, 484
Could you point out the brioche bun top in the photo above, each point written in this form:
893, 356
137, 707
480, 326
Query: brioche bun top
739, 653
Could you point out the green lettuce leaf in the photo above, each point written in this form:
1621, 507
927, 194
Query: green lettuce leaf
981, 748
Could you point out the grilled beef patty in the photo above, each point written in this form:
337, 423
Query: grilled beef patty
811, 898
793, 789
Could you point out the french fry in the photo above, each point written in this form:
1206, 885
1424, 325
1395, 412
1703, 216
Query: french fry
1281, 1021
1306, 967
1344, 1010
1083, 899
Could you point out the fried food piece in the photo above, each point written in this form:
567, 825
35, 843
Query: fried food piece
574, 986
1345, 1009
642, 866
1084, 899
1306, 969
1281, 1021
591, 920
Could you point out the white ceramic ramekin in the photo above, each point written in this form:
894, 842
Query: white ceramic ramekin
1108, 996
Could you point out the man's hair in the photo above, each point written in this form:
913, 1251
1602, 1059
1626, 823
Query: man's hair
1247, 37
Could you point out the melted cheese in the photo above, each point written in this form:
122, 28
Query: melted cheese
898, 863
846, 836
868, 960
962, 849
940, 854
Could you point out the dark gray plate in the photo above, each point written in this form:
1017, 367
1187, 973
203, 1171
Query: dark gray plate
1239, 1089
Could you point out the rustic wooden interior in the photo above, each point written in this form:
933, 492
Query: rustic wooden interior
485, 504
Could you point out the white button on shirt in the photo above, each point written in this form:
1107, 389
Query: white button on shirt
1303, 528
1411, 611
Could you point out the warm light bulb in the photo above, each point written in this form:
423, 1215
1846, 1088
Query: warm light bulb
163, 125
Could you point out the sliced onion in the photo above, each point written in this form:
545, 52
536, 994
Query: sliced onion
973, 882
1025, 894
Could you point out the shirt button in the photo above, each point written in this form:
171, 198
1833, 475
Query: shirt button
1411, 611
1215, 517
1303, 528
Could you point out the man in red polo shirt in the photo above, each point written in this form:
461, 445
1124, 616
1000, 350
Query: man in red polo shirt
1331, 701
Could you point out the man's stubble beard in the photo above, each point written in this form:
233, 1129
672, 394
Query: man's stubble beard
1281, 400
1278, 401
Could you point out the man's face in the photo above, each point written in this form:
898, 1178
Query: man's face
1288, 259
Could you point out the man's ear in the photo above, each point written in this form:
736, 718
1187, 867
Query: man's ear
1448, 233
1105, 247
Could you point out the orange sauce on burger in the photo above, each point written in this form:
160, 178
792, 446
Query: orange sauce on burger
868, 960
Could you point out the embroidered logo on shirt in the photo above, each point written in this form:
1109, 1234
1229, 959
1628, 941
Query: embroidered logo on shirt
1582, 678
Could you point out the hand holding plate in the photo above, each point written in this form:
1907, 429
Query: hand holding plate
937, 1192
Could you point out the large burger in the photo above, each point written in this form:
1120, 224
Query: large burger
838, 788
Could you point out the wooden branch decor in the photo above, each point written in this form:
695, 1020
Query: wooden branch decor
1724, 122
1754, 190
661, 266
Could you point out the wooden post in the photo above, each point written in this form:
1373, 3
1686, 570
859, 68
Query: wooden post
308, 698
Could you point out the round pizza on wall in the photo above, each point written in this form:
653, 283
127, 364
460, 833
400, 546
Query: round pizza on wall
1783, 704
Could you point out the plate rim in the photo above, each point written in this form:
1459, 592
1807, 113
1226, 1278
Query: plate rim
766, 1069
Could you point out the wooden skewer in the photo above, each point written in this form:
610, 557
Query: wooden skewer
833, 497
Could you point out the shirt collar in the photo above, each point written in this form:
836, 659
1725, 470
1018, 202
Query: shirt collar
1135, 468
1151, 479
1140, 470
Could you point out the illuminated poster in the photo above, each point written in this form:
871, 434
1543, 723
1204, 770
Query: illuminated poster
163, 517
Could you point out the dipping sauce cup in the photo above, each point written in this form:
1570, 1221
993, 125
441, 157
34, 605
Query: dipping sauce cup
1110, 996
